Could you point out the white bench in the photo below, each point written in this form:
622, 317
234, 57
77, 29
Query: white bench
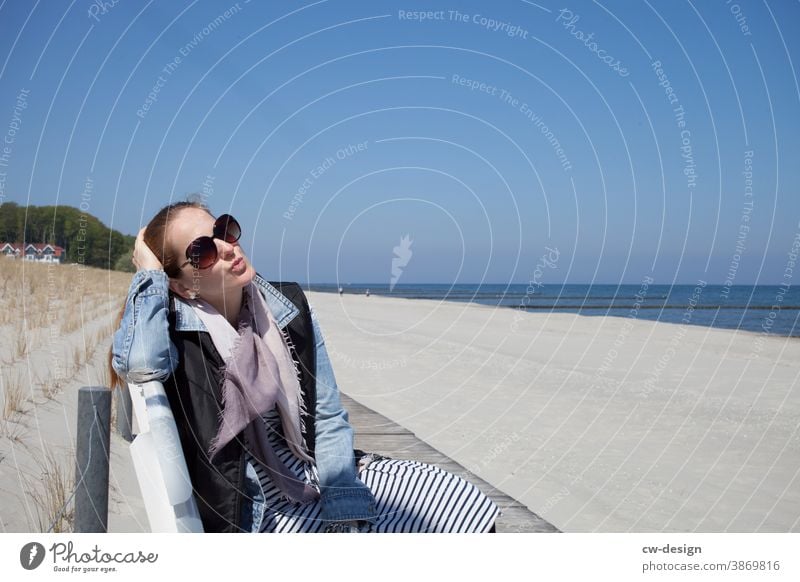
159, 463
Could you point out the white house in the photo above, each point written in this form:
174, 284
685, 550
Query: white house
39, 252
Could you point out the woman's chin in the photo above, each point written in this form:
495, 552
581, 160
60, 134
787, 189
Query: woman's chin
246, 275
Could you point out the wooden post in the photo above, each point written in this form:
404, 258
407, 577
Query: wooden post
92, 457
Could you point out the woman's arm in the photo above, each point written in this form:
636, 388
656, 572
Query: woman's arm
344, 496
142, 350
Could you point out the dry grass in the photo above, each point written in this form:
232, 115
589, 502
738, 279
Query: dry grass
103, 375
36, 288
12, 429
20, 342
71, 322
51, 387
13, 394
78, 356
13, 400
46, 303
55, 319
49, 492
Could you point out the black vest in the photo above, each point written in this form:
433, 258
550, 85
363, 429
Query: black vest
194, 392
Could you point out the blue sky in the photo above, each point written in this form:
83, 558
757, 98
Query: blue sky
487, 132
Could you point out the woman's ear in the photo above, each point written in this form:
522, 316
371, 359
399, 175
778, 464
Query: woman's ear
180, 289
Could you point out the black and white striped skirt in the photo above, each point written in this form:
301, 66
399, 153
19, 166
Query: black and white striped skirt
411, 497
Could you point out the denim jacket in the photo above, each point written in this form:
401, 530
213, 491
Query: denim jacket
142, 352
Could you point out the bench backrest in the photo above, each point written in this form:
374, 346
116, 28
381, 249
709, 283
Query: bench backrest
159, 463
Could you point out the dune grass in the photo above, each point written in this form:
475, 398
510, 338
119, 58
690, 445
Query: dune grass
50, 492
55, 328
12, 392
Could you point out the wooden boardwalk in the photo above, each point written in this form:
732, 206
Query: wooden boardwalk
376, 433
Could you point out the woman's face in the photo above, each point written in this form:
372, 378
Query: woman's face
230, 273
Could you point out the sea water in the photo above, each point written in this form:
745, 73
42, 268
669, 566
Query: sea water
770, 309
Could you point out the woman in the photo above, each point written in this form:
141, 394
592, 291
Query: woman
267, 443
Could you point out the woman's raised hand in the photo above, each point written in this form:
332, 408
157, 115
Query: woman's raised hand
143, 258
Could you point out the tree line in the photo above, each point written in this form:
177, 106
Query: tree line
83, 237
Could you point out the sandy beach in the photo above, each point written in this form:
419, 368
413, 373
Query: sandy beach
595, 423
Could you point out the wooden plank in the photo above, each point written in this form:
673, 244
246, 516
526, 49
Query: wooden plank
366, 421
516, 519
376, 433
363, 424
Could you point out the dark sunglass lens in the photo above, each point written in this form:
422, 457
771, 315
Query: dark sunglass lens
227, 228
202, 252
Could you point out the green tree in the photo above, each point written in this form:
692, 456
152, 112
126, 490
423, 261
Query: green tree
124, 262
84, 238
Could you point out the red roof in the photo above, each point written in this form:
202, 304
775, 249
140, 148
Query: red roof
38, 247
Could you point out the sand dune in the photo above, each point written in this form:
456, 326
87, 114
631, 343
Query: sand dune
62, 317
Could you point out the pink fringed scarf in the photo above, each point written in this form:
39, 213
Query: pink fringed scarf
259, 374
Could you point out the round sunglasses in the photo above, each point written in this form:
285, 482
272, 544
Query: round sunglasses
202, 251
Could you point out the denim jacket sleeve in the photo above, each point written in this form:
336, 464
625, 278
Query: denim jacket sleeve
142, 350
343, 495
